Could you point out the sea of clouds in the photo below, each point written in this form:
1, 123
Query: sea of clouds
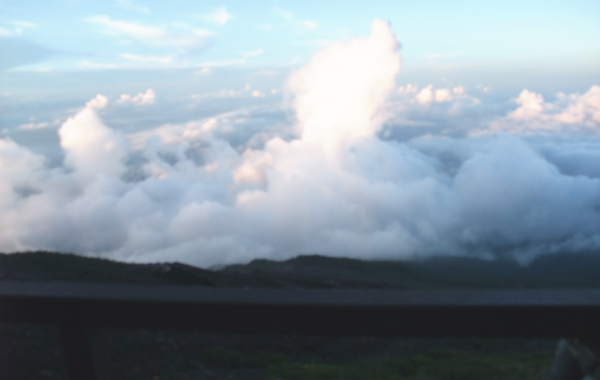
366, 169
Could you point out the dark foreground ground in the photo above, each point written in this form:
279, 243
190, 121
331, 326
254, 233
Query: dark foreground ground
34, 352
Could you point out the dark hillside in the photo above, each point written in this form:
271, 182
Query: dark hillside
551, 271
314, 271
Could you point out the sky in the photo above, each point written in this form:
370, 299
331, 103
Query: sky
79, 34
215, 133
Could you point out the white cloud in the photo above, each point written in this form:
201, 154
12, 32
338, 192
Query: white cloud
333, 107
443, 95
246, 92
4, 32
428, 94
224, 93
99, 102
146, 58
531, 105
425, 96
204, 71
91, 148
583, 109
459, 90
408, 89
415, 110
219, 16
568, 112
141, 99
127, 28
328, 184
25, 24
186, 40
16, 29
309, 25
33, 126
301, 25
202, 32
95, 65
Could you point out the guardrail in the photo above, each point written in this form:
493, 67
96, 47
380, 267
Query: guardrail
78, 307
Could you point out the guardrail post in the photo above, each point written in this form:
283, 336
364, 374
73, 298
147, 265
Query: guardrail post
78, 353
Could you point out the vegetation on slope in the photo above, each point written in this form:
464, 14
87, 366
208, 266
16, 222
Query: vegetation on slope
314, 271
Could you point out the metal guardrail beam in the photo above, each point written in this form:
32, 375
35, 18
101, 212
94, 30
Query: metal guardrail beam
401, 313
78, 307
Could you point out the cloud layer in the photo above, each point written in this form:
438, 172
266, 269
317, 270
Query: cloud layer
330, 184
187, 40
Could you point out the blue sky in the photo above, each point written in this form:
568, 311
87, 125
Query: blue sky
77, 35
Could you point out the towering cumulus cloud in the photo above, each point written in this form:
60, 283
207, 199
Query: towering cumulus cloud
339, 93
182, 192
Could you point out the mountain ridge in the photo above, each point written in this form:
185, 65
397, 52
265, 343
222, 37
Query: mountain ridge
315, 271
